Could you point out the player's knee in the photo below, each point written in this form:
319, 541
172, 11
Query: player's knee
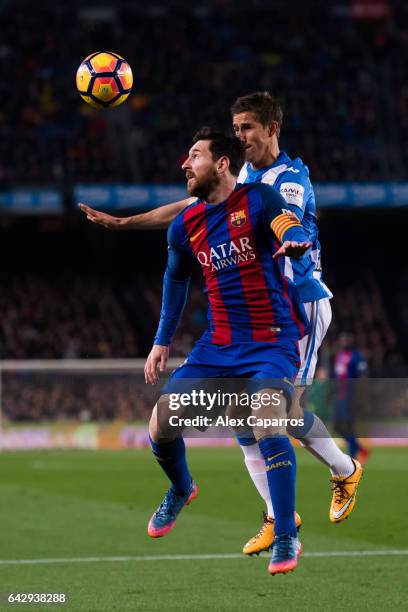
161, 427
272, 403
295, 410
269, 417
158, 434
238, 414
153, 429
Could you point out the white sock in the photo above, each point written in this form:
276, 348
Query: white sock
256, 467
319, 443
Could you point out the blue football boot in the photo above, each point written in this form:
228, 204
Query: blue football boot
286, 551
163, 520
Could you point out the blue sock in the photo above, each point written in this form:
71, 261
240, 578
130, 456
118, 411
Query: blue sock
280, 462
300, 431
353, 445
171, 457
246, 439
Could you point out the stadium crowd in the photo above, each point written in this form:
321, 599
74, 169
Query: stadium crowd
339, 79
63, 319
90, 319
344, 91
84, 396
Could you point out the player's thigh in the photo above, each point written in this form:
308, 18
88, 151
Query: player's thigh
161, 425
272, 388
239, 408
197, 389
319, 314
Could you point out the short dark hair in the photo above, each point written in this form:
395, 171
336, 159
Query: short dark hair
222, 144
266, 108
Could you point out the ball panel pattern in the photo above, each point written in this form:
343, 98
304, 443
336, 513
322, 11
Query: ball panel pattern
104, 79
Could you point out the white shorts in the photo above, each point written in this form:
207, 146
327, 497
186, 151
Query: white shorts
319, 314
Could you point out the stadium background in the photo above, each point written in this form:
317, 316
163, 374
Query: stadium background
73, 290
70, 290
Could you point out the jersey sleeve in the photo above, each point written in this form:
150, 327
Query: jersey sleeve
285, 225
295, 188
175, 287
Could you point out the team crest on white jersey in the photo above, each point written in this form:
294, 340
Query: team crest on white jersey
238, 218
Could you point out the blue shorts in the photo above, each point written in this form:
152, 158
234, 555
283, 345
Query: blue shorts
267, 364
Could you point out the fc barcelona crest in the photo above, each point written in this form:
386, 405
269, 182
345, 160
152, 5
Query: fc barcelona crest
238, 218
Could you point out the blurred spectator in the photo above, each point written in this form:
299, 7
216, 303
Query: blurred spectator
63, 319
94, 318
350, 394
89, 318
48, 395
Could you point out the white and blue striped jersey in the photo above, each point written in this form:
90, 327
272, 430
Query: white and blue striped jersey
290, 177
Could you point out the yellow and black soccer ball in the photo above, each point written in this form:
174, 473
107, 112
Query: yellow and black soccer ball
104, 79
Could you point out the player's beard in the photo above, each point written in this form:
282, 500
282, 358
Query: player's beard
203, 187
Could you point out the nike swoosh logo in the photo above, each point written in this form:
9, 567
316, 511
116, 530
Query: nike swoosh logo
274, 456
196, 236
342, 510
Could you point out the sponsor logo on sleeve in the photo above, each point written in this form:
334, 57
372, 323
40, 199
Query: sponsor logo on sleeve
293, 193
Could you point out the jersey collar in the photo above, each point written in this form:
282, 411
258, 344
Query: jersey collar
283, 158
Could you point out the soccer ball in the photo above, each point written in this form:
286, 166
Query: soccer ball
104, 79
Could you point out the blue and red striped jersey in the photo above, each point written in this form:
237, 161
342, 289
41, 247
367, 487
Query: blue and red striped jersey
250, 299
348, 364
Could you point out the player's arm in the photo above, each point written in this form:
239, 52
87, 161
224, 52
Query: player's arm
175, 289
158, 218
295, 189
285, 225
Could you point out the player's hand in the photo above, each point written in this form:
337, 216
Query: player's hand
100, 218
158, 357
292, 249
